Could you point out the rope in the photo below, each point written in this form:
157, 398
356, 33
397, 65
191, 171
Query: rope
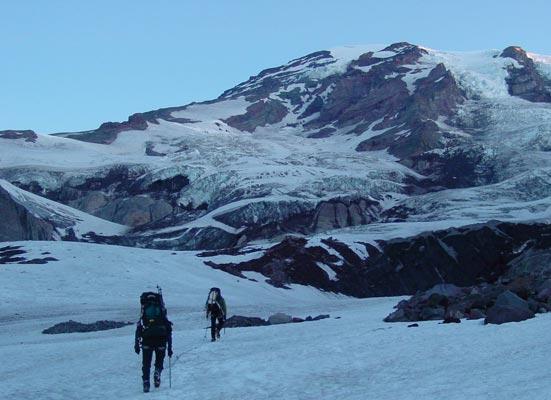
189, 350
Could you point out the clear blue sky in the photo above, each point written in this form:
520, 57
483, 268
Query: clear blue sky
70, 65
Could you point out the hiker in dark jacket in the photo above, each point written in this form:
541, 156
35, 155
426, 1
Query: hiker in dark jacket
153, 335
216, 310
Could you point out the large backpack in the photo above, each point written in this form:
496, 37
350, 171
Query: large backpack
213, 304
153, 314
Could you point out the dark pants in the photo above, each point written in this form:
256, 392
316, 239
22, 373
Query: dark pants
216, 324
147, 352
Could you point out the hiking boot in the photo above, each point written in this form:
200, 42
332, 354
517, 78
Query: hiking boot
213, 340
145, 386
217, 334
157, 378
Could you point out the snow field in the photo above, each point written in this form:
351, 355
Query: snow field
354, 357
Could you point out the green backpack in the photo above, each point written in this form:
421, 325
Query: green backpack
153, 315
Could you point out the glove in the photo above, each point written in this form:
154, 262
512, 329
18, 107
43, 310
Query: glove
137, 348
170, 352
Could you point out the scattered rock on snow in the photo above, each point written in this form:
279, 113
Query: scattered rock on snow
73, 326
317, 318
239, 321
279, 318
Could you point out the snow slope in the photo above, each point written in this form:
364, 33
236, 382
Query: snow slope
354, 357
62, 217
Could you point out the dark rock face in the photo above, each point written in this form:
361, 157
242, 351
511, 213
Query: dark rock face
525, 82
73, 327
463, 256
460, 256
287, 262
257, 220
108, 131
261, 113
121, 194
322, 133
20, 224
133, 211
260, 86
262, 220
415, 131
27, 135
454, 167
344, 212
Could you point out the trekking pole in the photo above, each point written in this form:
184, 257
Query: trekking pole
170, 372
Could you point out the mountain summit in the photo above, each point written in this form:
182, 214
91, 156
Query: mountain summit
372, 137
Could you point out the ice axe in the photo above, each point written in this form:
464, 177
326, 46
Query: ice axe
170, 372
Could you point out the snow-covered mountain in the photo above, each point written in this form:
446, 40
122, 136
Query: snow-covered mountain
359, 143
356, 172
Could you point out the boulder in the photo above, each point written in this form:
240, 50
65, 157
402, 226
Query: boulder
509, 308
544, 295
509, 299
397, 316
437, 299
503, 314
280, 318
432, 313
454, 314
445, 289
522, 286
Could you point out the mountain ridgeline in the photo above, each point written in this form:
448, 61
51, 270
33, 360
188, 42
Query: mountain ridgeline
320, 164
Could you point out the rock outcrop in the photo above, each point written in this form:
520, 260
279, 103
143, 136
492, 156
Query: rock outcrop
127, 195
515, 296
261, 113
26, 135
459, 256
525, 81
20, 224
